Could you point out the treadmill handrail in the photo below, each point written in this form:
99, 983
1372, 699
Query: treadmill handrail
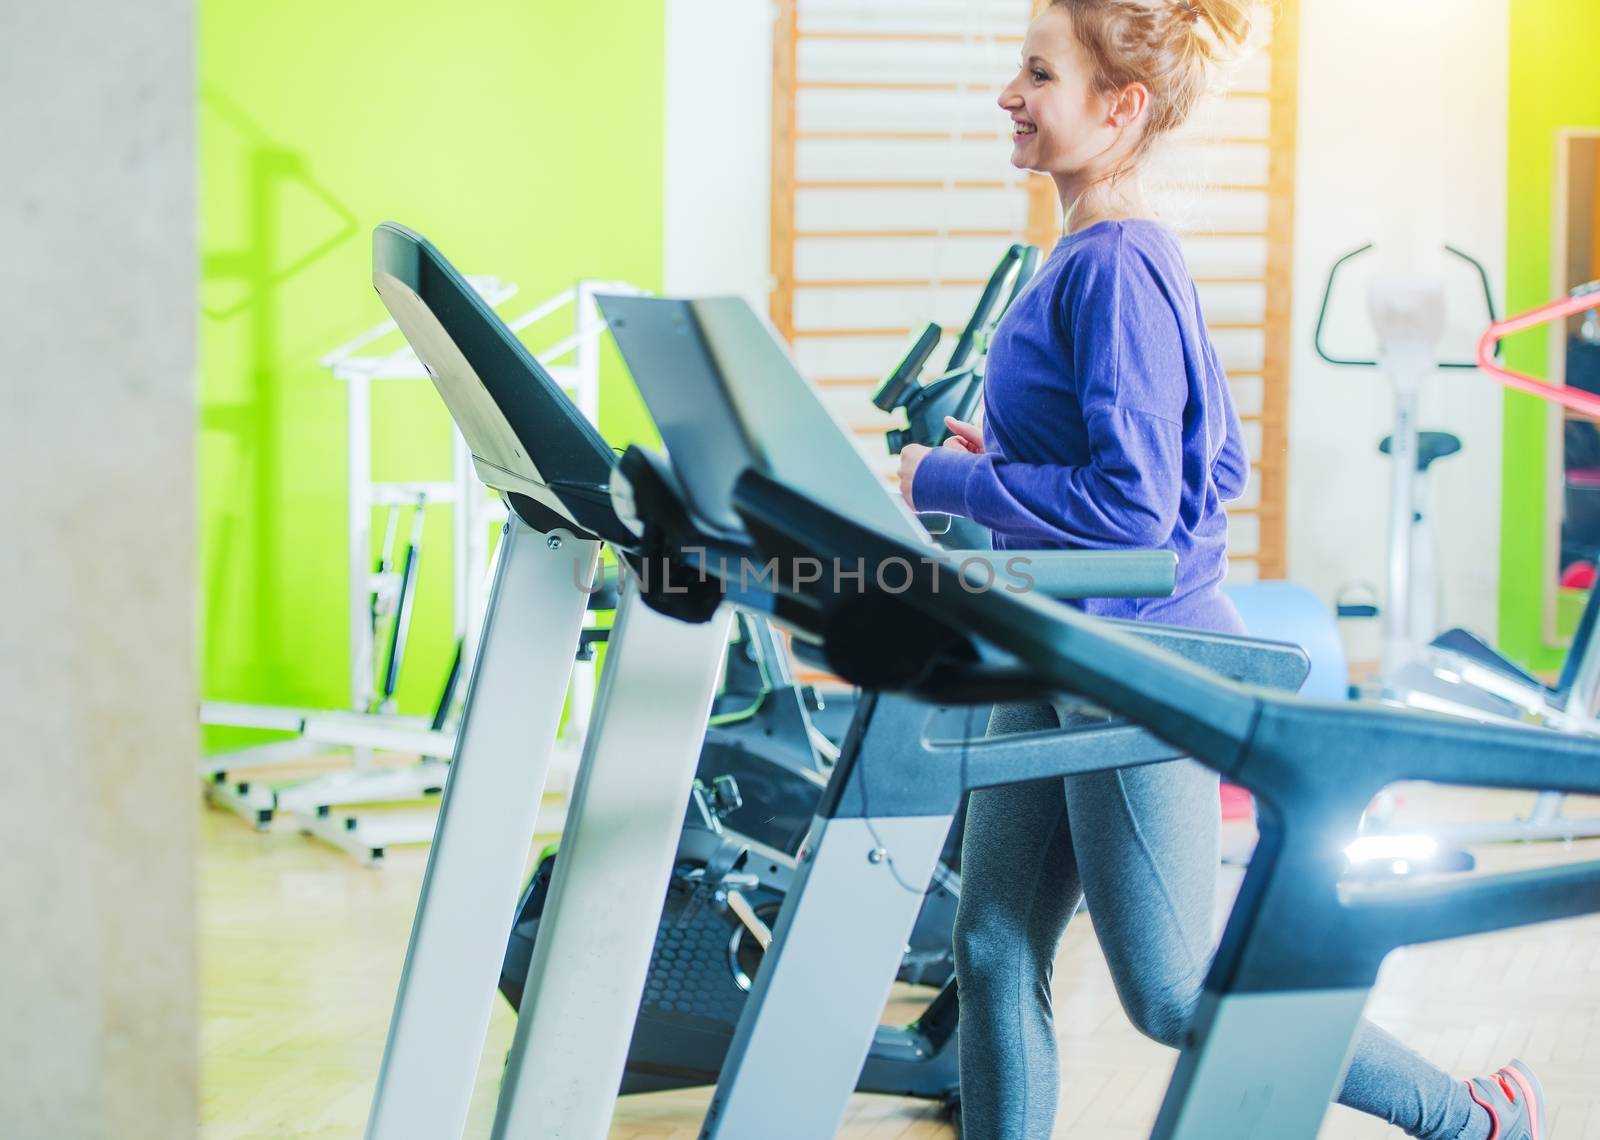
790, 523
1214, 718
670, 525
1081, 573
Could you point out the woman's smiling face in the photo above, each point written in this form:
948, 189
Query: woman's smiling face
1059, 123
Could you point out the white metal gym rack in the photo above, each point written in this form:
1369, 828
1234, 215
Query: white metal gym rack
573, 362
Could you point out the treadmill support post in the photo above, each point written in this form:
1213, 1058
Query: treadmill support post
593, 952
841, 933
485, 828
1261, 1066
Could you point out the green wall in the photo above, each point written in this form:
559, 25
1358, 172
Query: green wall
523, 137
1553, 46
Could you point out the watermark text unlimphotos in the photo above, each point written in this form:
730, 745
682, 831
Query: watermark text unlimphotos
697, 568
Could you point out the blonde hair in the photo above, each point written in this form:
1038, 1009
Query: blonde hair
1171, 47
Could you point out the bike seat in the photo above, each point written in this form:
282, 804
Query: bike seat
1431, 445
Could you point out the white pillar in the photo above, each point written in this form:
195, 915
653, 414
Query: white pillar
98, 691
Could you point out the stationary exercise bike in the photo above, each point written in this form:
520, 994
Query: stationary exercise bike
1457, 672
1409, 317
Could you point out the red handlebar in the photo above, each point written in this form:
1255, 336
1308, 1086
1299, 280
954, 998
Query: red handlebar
1575, 398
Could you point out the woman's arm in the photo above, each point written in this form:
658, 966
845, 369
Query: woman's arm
1126, 495
1231, 472
1128, 370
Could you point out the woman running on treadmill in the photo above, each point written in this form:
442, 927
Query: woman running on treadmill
1108, 423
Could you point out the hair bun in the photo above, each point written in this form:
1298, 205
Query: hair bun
1227, 20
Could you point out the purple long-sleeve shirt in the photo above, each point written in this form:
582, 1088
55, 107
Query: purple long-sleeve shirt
1107, 422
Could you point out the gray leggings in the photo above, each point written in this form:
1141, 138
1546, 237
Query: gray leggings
1141, 845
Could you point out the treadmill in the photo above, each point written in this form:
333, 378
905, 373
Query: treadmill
530, 443
634, 779
746, 432
1301, 950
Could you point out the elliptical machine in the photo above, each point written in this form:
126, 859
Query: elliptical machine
761, 773
958, 390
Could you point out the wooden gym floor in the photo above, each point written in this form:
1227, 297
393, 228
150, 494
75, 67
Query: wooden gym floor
301, 949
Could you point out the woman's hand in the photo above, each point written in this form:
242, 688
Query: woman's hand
911, 457
963, 436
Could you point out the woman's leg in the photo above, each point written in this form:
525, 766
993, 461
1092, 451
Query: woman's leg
1019, 888
1146, 845
1148, 841
1396, 1083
